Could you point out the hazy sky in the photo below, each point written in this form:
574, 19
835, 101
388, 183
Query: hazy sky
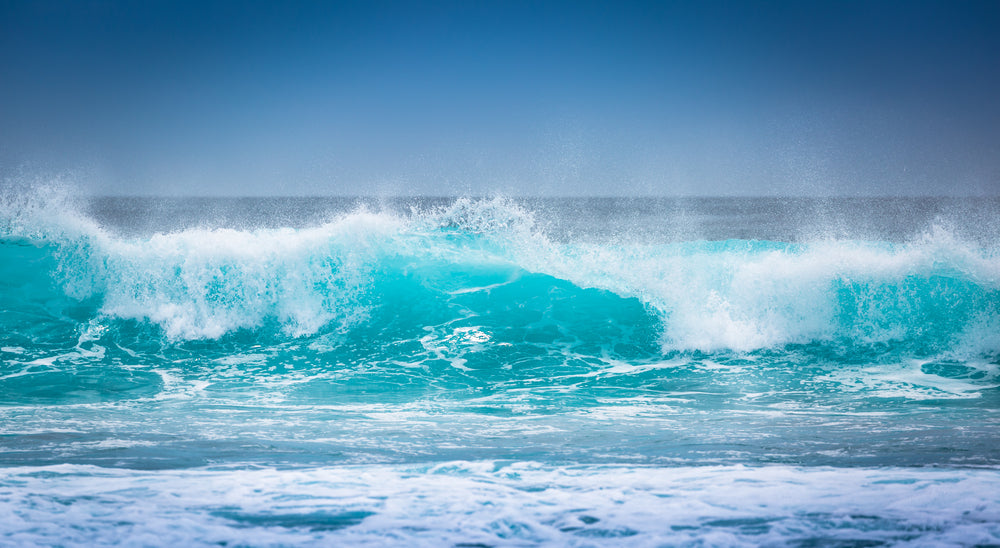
472, 97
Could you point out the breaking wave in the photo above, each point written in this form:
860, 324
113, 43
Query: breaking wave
485, 263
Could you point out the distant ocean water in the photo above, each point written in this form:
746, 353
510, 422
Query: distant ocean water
499, 372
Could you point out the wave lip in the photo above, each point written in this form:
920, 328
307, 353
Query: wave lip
204, 284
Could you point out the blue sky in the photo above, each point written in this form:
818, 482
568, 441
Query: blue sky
552, 98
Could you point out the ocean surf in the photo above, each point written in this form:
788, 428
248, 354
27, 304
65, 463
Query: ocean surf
494, 371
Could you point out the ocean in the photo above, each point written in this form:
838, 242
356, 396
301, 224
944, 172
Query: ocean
499, 371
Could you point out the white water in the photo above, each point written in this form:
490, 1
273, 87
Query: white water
500, 503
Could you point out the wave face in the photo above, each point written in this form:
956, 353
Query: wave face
178, 334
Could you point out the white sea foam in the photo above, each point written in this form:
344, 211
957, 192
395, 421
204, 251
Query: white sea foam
497, 503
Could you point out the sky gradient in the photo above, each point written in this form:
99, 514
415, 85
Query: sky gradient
533, 98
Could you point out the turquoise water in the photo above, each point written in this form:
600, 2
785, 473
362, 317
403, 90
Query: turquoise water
499, 372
